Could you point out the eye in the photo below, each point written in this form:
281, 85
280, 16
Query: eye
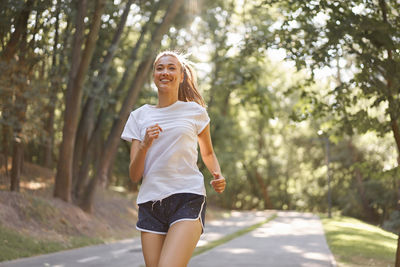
172, 68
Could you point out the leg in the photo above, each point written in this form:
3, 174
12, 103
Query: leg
180, 243
151, 246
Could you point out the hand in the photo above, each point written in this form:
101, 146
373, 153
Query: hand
152, 133
218, 183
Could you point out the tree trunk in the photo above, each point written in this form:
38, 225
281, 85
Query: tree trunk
81, 151
394, 125
360, 184
140, 77
393, 112
396, 134
264, 190
83, 172
62, 181
62, 187
49, 128
287, 199
18, 42
54, 85
105, 183
18, 142
7, 54
5, 147
86, 123
395, 130
397, 264
17, 159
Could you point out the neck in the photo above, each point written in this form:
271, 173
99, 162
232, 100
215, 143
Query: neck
166, 100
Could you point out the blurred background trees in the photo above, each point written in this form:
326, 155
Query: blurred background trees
273, 74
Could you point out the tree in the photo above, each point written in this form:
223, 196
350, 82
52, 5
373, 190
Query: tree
113, 138
15, 109
85, 129
79, 67
316, 33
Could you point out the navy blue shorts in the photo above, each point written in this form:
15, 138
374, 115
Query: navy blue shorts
158, 216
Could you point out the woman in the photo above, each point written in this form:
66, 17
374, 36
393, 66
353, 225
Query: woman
164, 139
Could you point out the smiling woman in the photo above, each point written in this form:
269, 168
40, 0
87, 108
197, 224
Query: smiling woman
177, 65
168, 75
164, 138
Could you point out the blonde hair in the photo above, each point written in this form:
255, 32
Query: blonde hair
188, 89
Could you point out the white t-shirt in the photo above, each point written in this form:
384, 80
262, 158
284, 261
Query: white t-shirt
171, 161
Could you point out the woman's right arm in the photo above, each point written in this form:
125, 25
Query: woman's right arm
139, 150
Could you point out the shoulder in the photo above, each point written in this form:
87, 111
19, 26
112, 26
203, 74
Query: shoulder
139, 113
140, 110
193, 106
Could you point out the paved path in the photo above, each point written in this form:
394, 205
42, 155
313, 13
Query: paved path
217, 229
119, 254
292, 239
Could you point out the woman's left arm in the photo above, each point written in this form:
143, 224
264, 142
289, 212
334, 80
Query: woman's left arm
210, 160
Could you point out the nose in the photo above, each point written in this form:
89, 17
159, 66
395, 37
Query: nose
164, 72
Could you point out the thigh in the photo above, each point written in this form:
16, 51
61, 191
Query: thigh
180, 243
151, 246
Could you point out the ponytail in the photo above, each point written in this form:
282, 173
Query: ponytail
188, 90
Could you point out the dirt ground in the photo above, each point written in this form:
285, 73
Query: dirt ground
36, 213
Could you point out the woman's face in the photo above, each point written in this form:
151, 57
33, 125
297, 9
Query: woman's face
167, 73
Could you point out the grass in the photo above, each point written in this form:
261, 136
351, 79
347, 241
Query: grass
355, 243
14, 245
229, 237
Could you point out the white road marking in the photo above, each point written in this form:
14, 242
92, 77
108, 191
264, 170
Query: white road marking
88, 259
117, 252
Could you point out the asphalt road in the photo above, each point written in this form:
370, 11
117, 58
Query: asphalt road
292, 239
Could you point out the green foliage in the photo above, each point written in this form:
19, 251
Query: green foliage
363, 33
